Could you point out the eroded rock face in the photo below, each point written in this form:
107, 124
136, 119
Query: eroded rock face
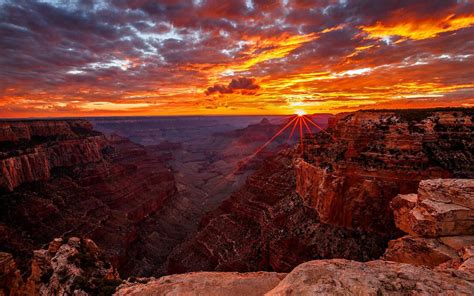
29, 150
350, 181
439, 221
265, 226
75, 181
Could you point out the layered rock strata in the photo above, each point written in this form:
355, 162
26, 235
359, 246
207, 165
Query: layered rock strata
61, 178
439, 221
265, 226
351, 176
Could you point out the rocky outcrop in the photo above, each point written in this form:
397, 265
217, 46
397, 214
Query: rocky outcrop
350, 177
76, 182
205, 283
343, 277
439, 221
443, 207
319, 277
265, 226
74, 267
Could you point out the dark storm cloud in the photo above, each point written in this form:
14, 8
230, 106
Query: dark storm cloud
241, 85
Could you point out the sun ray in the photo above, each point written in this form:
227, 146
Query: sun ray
319, 127
292, 132
307, 126
301, 133
248, 158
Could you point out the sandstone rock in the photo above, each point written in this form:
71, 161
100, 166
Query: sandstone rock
206, 283
419, 251
457, 242
434, 214
402, 205
343, 277
439, 223
448, 191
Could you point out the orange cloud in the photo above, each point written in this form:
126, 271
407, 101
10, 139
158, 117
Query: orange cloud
419, 29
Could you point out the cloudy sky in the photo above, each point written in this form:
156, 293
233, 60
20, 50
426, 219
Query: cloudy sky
140, 57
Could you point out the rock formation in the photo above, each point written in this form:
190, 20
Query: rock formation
205, 283
319, 277
72, 267
351, 176
61, 178
439, 221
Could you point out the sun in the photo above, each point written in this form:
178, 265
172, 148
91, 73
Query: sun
300, 112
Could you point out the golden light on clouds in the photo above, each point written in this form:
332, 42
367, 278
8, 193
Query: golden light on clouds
418, 30
238, 57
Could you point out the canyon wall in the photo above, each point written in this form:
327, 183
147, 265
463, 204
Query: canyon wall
330, 197
351, 177
61, 178
265, 226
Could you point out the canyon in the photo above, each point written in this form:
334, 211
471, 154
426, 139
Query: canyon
63, 178
76, 266
330, 197
379, 192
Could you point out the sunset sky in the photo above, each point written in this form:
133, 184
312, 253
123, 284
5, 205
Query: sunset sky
139, 57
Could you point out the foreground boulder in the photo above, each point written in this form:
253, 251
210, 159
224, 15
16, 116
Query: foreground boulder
206, 283
439, 221
319, 277
344, 277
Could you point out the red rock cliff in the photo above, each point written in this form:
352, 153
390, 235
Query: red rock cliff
61, 178
350, 181
265, 226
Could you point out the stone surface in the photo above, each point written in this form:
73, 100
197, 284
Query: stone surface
448, 191
318, 277
206, 283
419, 251
439, 224
434, 213
342, 277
